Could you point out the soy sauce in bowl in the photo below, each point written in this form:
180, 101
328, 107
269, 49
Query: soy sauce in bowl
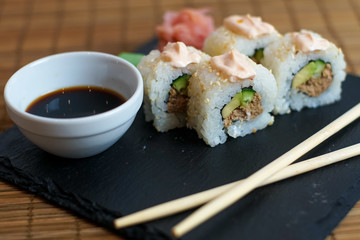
74, 102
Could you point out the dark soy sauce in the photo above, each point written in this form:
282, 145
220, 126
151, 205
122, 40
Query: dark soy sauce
74, 102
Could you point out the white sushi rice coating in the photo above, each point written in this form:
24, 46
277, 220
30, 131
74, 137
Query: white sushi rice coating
209, 92
158, 77
222, 40
285, 61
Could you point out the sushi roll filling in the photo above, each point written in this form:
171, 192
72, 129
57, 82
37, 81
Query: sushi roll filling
244, 106
258, 55
314, 78
178, 96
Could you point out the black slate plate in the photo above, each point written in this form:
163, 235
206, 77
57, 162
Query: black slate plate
145, 168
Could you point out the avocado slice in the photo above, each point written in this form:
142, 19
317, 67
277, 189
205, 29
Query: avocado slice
181, 83
242, 98
234, 103
312, 69
258, 55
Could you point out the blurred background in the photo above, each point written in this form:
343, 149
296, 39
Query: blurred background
31, 29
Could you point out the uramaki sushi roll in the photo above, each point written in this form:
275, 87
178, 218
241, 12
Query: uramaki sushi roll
166, 76
247, 34
230, 95
308, 69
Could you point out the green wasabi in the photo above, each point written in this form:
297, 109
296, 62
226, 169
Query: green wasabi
133, 58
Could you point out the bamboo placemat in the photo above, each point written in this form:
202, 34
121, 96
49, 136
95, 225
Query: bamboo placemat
31, 29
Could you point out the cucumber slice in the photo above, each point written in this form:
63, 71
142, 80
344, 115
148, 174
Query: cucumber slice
242, 98
258, 55
247, 96
312, 69
181, 83
320, 65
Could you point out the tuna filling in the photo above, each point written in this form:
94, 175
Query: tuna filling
315, 86
245, 112
178, 97
177, 101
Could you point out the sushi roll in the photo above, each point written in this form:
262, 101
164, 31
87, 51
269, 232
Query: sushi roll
247, 34
230, 95
166, 76
308, 69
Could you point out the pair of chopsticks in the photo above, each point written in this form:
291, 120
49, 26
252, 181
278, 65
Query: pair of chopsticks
222, 197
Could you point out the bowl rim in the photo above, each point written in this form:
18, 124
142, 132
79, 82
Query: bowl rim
131, 102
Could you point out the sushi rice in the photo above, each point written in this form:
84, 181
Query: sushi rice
223, 39
158, 76
285, 61
209, 92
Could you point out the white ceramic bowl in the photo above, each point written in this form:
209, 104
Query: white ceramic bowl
74, 137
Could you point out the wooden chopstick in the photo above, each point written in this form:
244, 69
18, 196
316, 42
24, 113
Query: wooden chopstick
195, 200
250, 183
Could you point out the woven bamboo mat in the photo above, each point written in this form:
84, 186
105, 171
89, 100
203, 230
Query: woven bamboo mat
31, 29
